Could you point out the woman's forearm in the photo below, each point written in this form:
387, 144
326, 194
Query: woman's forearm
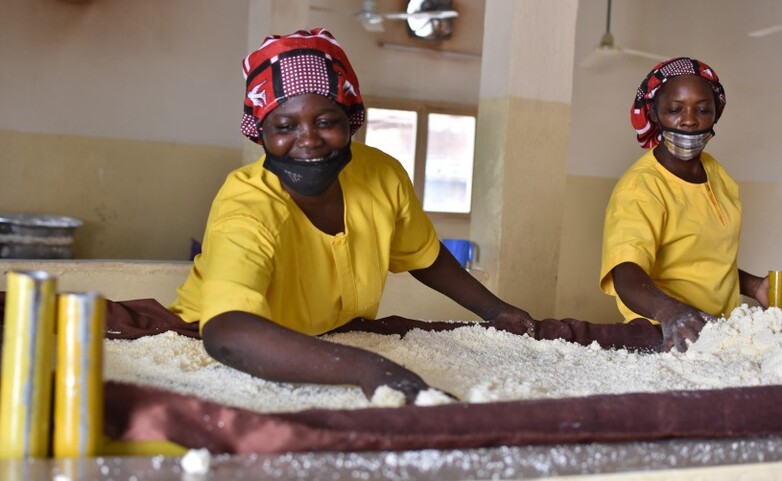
638, 292
749, 284
264, 349
267, 350
449, 278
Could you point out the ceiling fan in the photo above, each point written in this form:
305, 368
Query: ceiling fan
607, 49
417, 13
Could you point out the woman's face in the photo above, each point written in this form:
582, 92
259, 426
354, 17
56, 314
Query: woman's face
306, 127
685, 102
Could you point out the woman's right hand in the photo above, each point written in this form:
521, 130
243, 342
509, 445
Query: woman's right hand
267, 350
681, 323
381, 371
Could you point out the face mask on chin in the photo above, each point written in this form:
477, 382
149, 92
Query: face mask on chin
308, 178
685, 145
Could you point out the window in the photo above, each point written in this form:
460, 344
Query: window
393, 132
435, 144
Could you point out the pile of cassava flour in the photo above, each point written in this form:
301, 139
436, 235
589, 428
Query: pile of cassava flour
475, 364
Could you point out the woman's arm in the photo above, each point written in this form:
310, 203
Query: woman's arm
754, 287
679, 321
259, 347
448, 277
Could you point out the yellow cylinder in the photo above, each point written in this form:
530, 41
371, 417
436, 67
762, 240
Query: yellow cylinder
78, 386
774, 288
28, 352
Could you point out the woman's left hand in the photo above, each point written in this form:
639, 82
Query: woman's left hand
448, 277
515, 320
761, 293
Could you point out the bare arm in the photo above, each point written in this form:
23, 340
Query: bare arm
259, 347
754, 287
679, 321
448, 277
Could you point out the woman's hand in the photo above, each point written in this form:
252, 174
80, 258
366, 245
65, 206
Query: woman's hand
761, 293
681, 323
448, 277
267, 350
514, 320
384, 372
754, 287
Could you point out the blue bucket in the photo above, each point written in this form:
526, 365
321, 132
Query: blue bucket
195, 248
462, 249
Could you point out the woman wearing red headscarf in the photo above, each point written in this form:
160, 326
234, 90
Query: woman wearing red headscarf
672, 224
300, 242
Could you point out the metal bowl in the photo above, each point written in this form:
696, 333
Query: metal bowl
36, 236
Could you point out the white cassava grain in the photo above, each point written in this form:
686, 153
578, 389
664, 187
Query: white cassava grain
475, 364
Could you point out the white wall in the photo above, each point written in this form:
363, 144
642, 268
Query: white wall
149, 70
747, 141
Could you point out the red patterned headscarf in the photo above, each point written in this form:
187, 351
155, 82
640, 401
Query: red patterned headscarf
308, 61
648, 133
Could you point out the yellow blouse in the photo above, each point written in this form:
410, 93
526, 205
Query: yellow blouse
262, 255
684, 235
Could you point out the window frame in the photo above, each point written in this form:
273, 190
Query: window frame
422, 110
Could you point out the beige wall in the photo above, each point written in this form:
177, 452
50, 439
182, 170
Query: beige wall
521, 148
747, 143
517, 219
141, 200
144, 70
126, 280
122, 114
115, 280
141, 101
578, 294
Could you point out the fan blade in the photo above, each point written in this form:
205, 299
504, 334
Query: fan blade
607, 49
430, 15
598, 56
765, 31
639, 53
372, 22
320, 8
605, 53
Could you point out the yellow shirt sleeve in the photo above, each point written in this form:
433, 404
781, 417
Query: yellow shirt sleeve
631, 232
238, 259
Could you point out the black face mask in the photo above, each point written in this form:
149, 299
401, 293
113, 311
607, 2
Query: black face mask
308, 178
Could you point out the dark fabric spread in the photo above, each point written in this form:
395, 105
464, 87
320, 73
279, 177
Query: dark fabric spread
143, 413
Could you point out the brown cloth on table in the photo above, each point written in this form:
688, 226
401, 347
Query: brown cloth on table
146, 414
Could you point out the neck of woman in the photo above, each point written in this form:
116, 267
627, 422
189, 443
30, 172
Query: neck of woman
688, 170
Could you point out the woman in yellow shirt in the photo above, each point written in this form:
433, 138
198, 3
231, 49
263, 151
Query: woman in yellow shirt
672, 225
300, 242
